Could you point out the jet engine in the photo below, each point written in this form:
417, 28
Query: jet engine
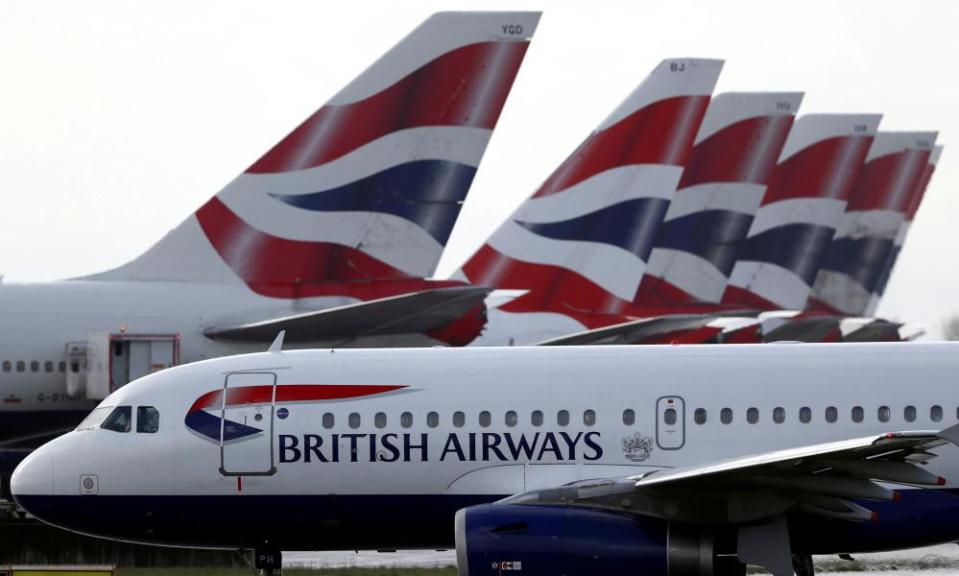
538, 540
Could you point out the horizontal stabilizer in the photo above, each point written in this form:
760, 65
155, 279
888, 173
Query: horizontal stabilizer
418, 312
643, 331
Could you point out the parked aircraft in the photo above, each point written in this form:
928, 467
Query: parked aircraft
777, 264
330, 236
577, 249
886, 187
673, 460
723, 185
903, 231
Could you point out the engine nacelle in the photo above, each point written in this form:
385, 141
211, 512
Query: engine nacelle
535, 540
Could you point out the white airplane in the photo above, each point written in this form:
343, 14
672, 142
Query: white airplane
657, 460
331, 235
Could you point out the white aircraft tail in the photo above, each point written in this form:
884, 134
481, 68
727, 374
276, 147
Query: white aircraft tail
369, 186
581, 242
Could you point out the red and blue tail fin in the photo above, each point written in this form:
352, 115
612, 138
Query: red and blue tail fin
777, 263
735, 152
903, 232
877, 208
581, 242
369, 186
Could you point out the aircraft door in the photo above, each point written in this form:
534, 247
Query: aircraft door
670, 422
246, 427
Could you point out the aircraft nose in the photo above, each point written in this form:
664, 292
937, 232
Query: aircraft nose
33, 477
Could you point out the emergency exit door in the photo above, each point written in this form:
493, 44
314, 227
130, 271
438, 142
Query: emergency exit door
670, 423
246, 425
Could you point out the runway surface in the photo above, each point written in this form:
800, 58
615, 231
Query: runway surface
936, 560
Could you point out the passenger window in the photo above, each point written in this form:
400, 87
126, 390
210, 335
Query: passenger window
7, 366
562, 418
406, 419
752, 415
511, 418
779, 415
883, 413
328, 420
354, 420
34, 366
935, 413
536, 418
805, 414
669, 416
699, 416
726, 415
589, 418
148, 420
21, 366
832, 414
909, 413
379, 420
119, 419
857, 414
629, 417
48, 366
485, 418
459, 419
432, 419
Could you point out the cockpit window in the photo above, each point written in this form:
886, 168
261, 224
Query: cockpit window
148, 419
119, 419
95, 418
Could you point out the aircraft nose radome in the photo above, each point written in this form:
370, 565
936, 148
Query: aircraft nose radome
33, 477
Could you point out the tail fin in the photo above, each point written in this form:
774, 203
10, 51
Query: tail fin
877, 208
581, 242
370, 185
807, 194
736, 150
911, 209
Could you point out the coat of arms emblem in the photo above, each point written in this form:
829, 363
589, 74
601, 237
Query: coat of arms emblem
637, 447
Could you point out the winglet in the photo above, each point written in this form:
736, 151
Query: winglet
277, 345
951, 434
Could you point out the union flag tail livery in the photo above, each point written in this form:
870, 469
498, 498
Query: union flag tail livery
777, 262
369, 186
329, 237
722, 186
888, 183
903, 232
580, 244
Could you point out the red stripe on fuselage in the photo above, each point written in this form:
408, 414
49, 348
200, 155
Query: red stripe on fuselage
661, 133
465, 87
288, 393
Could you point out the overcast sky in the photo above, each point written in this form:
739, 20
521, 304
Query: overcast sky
119, 118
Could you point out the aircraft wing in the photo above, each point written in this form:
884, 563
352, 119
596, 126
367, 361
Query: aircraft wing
820, 479
417, 312
819, 328
755, 493
875, 330
634, 332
